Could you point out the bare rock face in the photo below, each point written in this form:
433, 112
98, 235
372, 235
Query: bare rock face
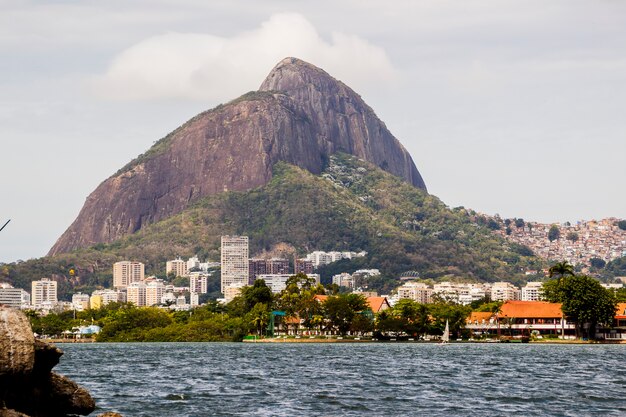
341, 119
17, 351
300, 115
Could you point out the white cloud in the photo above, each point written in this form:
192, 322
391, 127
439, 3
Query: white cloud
206, 67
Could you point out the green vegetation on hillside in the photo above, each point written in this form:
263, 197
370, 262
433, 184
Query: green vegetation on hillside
351, 206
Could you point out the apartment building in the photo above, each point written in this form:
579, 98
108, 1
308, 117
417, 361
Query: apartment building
178, 267
504, 291
532, 291
127, 272
44, 291
234, 261
416, 291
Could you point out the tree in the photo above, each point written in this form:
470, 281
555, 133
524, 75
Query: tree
597, 263
561, 269
554, 233
572, 236
259, 317
338, 312
622, 224
584, 301
259, 292
519, 223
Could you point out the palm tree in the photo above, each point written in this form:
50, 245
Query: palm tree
561, 269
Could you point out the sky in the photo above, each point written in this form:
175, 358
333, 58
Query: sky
516, 108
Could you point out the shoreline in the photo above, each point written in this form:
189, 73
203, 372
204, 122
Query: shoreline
434, 342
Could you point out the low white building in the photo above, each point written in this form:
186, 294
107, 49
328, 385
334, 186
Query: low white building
14, 297
80, 301
344, 280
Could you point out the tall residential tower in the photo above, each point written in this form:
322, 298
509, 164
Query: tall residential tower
234, 261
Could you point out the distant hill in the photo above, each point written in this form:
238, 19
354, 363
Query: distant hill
300, 115
352, 205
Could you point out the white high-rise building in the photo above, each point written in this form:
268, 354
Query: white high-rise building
127, 272
533, 291
44, 291
194, 299
177, 266
234, 261
13, 297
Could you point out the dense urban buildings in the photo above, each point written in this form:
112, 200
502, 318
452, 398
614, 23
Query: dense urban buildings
127, 272
575, 243
234, 262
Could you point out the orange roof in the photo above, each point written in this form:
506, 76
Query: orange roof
530, 309
375, 303
479, 316
621, 311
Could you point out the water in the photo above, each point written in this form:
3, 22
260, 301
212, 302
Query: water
236, 379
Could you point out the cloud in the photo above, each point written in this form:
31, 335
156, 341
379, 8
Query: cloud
205, 67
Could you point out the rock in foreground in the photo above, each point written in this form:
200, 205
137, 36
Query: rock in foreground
27, 385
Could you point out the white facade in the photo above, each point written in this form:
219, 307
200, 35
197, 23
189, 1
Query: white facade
80, 301
319, 258
469, 293
533, 291
416, 291
168, 298
503, 291
232, 291
100, 298
276, 282
193, 263
127, 272
344, 280
234, 261
194, 299
14, 297
44, 291
447, 291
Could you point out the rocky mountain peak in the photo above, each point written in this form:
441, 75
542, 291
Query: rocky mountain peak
301, 115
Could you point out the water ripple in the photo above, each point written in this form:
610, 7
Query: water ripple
229, 379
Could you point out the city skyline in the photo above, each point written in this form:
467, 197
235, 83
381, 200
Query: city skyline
505, 108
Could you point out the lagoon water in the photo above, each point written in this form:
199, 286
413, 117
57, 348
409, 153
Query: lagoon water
383, 379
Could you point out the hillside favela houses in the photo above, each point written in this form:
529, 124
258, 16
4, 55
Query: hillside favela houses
523, 311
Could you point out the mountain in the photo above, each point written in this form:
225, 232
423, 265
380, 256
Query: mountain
300, 115
352, 205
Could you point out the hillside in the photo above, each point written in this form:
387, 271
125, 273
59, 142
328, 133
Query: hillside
300, 115
352, 205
